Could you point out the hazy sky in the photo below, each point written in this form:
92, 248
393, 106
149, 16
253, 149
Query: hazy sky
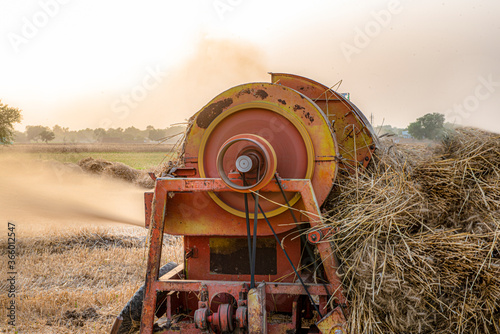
121, 63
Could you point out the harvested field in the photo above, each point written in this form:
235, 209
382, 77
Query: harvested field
77, 280
77, 265
418, 237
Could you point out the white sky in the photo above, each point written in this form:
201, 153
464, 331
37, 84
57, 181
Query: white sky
74, 62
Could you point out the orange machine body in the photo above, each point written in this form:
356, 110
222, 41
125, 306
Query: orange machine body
313, 131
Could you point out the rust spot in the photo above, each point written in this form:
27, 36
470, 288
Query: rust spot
297, 107
283, 102
243, 91
208, 114
261, 93
308, 116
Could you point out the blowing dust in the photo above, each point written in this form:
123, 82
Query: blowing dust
40, 196
213, 66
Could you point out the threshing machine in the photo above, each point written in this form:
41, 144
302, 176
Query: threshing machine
258, 162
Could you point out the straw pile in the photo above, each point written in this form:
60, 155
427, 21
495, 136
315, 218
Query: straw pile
418, 239
116, 170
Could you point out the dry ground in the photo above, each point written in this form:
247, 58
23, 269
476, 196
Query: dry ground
76, 267
77, 280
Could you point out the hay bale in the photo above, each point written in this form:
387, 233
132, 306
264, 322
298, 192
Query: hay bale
94, 166
116, 170
121, 171
418, 239
145, 181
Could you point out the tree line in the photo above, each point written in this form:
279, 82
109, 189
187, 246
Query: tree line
39, 133
429, 126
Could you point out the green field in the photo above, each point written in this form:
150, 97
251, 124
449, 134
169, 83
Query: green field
136, 156
137, 160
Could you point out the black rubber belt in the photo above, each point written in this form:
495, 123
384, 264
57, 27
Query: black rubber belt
252, 246
249, 239
286, 254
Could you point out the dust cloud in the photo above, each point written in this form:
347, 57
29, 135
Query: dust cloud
213, 66
40, 196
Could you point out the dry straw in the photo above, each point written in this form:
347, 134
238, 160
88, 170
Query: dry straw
418, 238
117, 170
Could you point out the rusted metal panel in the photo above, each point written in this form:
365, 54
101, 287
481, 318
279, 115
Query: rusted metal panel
355, 136
230, 256
210, 214
184, 172
233, 287
200, 268
304, 187
281, 328
333, 323
292, 123
257, 316
148, 203
192, 212
154, 256
166, 186
330, 262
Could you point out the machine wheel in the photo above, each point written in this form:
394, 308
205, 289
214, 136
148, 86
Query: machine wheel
131, 313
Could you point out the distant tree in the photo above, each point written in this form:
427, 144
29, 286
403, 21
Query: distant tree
132, 134
429, 126
60, 132
8, 116
47, 135
33, 132
20, 137
99, 134
118, 132
416, 130
388, 129
157, 134
85, 135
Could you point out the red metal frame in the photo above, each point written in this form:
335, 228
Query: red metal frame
166, 186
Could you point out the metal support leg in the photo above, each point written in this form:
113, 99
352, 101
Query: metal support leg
155, 246
328, 258
257, 317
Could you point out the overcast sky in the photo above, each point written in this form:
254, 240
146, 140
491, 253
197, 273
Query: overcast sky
133, 63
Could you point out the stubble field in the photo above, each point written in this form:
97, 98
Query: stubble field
80, 244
